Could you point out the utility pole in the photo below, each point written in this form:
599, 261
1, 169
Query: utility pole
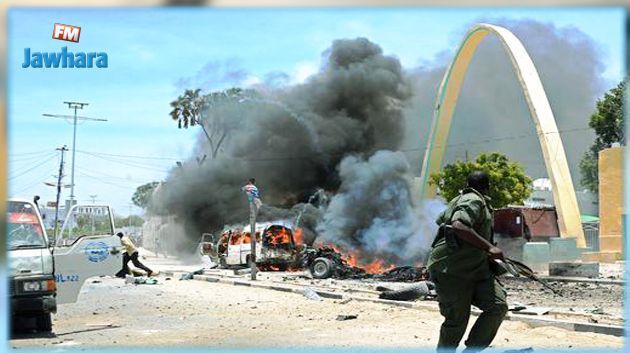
253, 197
252, 228
129, 219
75, 118
62, 150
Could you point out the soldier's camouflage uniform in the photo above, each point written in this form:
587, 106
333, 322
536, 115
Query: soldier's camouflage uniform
463, 278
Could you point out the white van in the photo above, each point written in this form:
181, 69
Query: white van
277, 249
45, 272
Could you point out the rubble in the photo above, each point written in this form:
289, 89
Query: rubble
189, 275
346, 317
417, 291
140, 280
311, 294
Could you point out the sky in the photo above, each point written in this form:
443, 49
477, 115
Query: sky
154, 54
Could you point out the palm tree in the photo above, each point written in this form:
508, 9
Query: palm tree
208, 111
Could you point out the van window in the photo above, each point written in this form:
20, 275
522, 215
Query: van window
235, 239
279, 236
86, 220
24, 228
248, 237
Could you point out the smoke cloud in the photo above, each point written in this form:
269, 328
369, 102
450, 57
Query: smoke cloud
292, 142
374, 211
354, 134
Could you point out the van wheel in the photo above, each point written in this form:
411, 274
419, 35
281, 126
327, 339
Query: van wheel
321, 268
44, 322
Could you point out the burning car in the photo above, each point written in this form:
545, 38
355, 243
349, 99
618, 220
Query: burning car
208, 245
276, 248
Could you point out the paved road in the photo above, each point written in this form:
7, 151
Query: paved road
192, 313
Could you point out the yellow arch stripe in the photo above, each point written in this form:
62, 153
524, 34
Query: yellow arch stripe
541, 113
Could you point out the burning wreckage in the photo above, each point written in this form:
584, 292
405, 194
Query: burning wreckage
282, 249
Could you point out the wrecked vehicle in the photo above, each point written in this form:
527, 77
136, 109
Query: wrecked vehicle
326, 262
275, 250
208, 245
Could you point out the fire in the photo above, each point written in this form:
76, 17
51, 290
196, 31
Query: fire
297, 236
352, 258
278, 236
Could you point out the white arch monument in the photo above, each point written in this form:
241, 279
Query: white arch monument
550, 142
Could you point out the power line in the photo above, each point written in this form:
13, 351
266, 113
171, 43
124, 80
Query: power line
109, 175
28, 153
33, 167
23, 167
130, 156
104, 181
75, 106
127, 163
18, 160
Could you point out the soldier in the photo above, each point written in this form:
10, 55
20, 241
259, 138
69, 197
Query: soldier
459, 267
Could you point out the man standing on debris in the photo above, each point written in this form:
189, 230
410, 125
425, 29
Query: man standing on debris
130, 254
459, 266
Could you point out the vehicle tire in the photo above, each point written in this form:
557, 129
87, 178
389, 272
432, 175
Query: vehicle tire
222, 262
43, 322
321, 268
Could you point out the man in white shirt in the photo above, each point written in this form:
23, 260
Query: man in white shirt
130, 254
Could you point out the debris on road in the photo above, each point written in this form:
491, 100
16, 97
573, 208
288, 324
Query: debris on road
346, 317
516, 307
140, 280
311, 294
243, 271
597, 311
417, 291
189, 275
522, 350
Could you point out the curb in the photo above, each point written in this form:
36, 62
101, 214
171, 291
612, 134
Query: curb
532, 321
570, 279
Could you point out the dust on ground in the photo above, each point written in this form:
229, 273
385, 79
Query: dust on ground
177, 313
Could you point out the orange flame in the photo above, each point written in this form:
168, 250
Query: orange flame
352, 258
277, 236
297, 236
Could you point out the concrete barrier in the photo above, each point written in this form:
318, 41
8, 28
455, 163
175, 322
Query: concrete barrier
536, 256
574, 269
563, 249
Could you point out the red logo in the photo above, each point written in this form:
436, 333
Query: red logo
66, 32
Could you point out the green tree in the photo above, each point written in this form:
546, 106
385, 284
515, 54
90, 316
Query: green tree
607, 121
509, 185
142, 196
133, 220
214, 112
